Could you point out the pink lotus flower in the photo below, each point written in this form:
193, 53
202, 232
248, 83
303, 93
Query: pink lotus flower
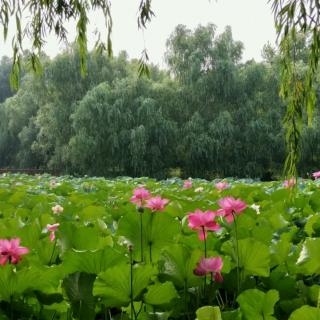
187, 184
231, 206
57, 209
222, 185
210, 265
140, 195
289, 183
316, 175
10, 251
52, 228
203, 221
156, 203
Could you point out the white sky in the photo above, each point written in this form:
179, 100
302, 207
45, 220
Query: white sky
251, 22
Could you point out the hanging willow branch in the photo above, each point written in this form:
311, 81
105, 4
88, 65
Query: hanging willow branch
293, 17
36, 19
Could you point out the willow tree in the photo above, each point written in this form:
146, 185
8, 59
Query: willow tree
292, 17
36, 19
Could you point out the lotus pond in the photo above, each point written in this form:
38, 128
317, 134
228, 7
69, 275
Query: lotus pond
127, 248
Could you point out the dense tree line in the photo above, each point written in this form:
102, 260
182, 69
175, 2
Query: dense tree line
208, 115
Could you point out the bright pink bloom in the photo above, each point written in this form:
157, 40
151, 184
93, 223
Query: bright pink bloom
203, 221
187, 184
156, 203
231, 206
140, 195
316, 175
222, 185
52, 228
289, 183
210, 265
52, 236
10, 251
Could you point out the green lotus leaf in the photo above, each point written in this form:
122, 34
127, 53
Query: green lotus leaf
177, 263
92, 262
161, 293
208, 313
254, 256
159, 231
310, 256
114, 284
306, 313
78, 288
257, 305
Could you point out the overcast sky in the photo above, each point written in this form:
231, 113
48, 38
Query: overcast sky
251, 22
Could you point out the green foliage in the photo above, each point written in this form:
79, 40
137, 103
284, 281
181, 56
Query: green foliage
192, 56
177, 264
254, 257
309, 256
160, 294
257, 305
159, 231
306, 312
91, 262
208, 313
5, 68
292, 19
47, 17
113, 285
78, 287
94, 268
110, 123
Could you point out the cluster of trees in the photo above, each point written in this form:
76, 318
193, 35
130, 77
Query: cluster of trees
208, 114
